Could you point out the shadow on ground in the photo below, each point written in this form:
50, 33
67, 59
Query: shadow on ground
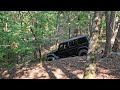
67, 68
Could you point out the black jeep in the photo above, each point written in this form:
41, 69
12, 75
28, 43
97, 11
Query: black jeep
77, 46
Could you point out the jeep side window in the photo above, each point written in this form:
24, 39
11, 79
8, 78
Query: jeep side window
71, 43
82, 40
76, 42
79, 41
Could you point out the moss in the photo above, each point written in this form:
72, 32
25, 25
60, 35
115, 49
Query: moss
93, 59
90, 71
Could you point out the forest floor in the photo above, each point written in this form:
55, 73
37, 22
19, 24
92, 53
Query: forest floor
67, 68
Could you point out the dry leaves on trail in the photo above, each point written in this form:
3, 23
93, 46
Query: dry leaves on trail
66, 68
109, 68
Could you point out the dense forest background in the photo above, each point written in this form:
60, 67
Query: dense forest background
27, 36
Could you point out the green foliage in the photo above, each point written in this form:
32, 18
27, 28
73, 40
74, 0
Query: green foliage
15, 27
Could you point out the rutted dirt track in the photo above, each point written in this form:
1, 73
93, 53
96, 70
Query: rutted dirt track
67, 68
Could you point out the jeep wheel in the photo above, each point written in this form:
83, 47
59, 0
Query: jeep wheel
50, 58
82, 52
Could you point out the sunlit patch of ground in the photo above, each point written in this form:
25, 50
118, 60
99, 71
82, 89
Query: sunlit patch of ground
62, 69
5, 74
78, 73
109, 68
58, 73
66, 68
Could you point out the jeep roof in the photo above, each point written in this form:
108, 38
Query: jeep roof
75, 38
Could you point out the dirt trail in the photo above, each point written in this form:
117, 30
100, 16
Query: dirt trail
67, 68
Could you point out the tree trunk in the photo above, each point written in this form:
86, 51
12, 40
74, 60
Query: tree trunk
108, 17
90, 71
38, 48
20, 58
8, 53
20, 15
112, 18
100, 26
95, 34
58, 22
68, 22
76, 32
114, 29
116, 46
57, 27
69, 33
89, 24
93, 44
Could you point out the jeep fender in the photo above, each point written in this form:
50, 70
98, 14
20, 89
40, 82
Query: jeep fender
83, 47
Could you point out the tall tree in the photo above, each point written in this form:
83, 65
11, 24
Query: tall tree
90, 23
109, 17
37, 51
114, 29
95, 34
57, 26
68, 22
93, 45
116, 46
100, 25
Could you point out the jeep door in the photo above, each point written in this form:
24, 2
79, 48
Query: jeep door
73, 47
63, 50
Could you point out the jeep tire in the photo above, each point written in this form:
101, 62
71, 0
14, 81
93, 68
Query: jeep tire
82, 52
50, 58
